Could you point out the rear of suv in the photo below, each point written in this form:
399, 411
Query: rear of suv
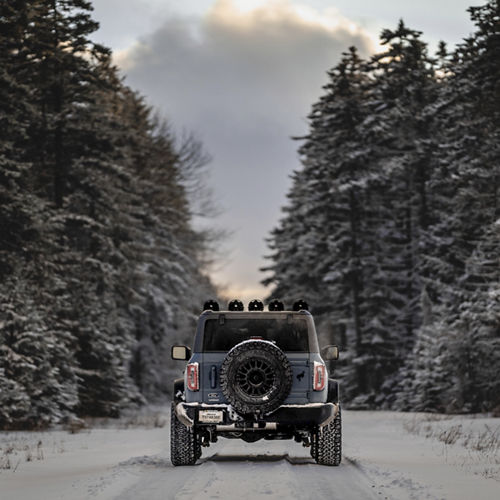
255, 375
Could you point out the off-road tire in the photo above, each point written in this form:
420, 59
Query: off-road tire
256, 377
326, 443
185, 447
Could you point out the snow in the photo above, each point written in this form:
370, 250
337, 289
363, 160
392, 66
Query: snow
411, 466
386, 455
74, 466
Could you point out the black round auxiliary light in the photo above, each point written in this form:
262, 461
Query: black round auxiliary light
276, 305
300, 305
255, 305
211, 305
235, 305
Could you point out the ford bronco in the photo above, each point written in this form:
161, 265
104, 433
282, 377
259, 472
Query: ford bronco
255, 375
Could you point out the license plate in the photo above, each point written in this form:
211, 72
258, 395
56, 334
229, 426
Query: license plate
211, 416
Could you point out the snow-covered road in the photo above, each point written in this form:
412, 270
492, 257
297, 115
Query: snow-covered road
258, 470
381, 460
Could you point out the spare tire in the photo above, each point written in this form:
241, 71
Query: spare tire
256, 377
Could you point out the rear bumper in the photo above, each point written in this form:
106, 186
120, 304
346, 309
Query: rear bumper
306, 415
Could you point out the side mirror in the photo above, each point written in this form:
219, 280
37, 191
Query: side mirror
330, 352
181, 352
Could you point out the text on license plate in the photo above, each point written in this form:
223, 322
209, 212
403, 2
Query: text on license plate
210, 416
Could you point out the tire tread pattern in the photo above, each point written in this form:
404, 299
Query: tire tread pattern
326, 446
185, 448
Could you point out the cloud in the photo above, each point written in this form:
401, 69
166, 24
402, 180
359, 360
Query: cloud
277, 52
244, 82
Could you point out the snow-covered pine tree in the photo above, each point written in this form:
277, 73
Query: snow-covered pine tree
37, 379
58, 56
479, 326
409, 200
335, 143
427, 204
464, 187
62, 72
294, 246
305, 251
142, 210
98, 253
362, 196
455, 358
397, 131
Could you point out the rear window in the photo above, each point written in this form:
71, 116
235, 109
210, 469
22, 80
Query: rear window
289, 334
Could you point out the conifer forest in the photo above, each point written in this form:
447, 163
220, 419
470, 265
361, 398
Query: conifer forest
392, 226
100, 265
391, 229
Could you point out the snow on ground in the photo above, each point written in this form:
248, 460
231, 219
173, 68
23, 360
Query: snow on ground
386, 455
73, 466
409, 465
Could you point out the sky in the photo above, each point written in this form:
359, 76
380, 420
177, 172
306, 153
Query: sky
242, 75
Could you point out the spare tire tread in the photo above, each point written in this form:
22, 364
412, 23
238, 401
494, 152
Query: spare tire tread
262, 349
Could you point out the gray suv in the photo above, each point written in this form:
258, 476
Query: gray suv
255, 375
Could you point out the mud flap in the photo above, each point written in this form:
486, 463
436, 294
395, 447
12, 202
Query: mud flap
333, 391
178, 394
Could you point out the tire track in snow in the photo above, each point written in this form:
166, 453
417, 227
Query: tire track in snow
266, 470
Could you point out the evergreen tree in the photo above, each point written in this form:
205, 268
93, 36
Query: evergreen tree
100, 265
313, 212
37, 381
57, 63
403, 83
390, 224
465, 185
363, 194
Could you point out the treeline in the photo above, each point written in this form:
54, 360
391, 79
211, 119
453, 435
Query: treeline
99, 262
392, 228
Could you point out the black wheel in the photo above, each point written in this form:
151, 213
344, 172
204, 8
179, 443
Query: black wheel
326, 443
185, 447
256, 377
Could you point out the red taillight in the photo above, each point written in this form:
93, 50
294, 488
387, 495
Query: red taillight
319, 376
193, 380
